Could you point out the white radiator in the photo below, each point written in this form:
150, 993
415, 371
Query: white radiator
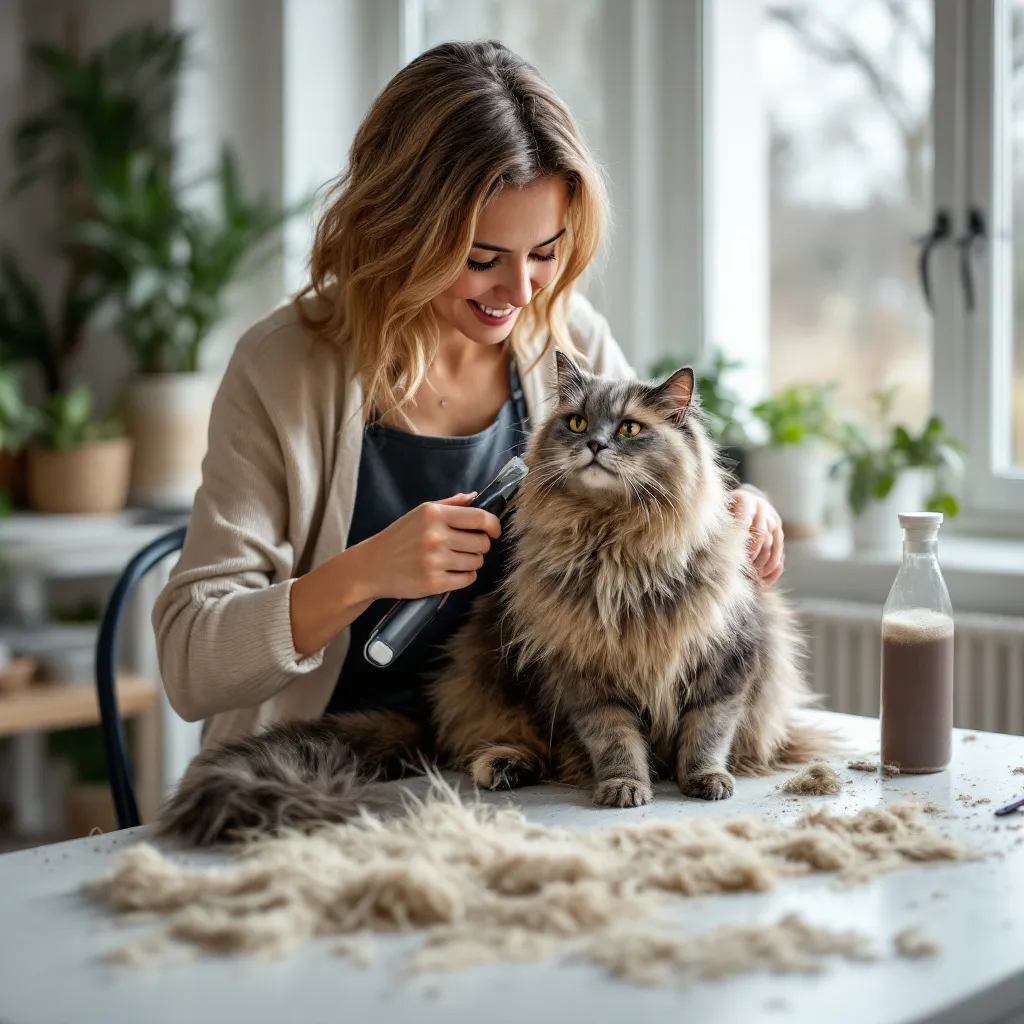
844, 663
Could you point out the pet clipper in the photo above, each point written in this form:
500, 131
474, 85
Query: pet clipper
404, 620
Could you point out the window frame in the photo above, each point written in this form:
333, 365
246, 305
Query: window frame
970, 372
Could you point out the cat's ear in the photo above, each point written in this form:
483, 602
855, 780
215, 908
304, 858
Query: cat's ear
569, 379
677, 391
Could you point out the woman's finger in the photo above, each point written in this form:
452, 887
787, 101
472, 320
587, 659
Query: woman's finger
472, 519
462, 561
471, 542
761, 541
458, 580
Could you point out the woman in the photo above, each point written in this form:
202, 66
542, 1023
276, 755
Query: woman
353, 424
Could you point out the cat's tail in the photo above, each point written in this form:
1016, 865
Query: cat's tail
292, 777
805, 742
801, 742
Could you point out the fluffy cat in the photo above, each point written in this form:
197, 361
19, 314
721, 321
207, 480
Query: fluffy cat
629, 636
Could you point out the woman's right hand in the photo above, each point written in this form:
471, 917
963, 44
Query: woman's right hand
437, 547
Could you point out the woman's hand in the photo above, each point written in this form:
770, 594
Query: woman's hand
766, 544
437, 547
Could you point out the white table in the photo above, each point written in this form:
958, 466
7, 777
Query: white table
51, 942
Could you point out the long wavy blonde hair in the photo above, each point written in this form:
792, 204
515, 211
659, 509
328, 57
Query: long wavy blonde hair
450, 130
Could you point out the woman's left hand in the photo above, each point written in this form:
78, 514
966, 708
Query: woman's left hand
766, 544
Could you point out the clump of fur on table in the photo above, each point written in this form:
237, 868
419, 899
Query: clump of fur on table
484, 884
815, 779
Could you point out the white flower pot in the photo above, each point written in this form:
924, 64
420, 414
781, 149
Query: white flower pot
877, 529
795, 479
170, 415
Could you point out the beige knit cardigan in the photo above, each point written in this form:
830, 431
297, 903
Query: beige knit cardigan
279, 482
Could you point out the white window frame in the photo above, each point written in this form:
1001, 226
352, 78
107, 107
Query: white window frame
971, 372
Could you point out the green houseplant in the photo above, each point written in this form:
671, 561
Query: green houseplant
19, 421
173, 261
893, 470
102, 107
721, 406
78, 462
798, 423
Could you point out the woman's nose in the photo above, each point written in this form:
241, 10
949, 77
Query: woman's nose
519, 287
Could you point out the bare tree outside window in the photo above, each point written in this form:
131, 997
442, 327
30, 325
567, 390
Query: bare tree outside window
848, 85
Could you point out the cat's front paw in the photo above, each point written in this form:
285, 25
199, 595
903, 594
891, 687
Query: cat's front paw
505, 768
708, 786
623, 793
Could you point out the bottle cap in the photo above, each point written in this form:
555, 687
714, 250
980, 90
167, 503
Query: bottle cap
920, 520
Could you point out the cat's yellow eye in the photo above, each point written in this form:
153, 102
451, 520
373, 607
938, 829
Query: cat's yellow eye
629, 428
577, 424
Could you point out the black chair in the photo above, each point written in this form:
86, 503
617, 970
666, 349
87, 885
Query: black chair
119, 767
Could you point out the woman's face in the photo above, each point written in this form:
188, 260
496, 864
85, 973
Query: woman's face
515, 253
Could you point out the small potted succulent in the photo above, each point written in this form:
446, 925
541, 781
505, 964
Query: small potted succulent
78, 463
901, 472
792, 466
722, 407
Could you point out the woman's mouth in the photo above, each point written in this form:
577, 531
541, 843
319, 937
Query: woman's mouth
491, 315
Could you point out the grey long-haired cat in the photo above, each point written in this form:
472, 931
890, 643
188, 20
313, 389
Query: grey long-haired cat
630, 636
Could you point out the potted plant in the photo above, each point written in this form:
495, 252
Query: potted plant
792, 466
18, 422
172, 263
722, 407
103, 107
901, 472
78, 463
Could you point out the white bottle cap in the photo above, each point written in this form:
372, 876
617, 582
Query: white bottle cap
920, 530
920, 520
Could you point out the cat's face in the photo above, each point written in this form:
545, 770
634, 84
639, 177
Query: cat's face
618, 440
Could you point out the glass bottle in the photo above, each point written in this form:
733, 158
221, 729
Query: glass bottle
917, 655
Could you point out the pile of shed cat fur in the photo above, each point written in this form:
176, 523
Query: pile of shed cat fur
485, 885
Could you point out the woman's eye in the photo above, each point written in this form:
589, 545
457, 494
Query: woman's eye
543, 259
477, 265
577, 424
629, 428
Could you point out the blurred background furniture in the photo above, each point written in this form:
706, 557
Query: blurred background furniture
51, 563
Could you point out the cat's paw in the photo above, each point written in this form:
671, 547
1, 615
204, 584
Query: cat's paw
505, 768
708, 786
623, 793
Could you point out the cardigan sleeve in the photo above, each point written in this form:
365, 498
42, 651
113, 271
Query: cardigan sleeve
222, 622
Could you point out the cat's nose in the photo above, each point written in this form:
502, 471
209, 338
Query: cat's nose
596, 446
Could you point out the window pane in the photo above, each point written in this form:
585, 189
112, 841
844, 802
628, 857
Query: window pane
1016, 149
848, 89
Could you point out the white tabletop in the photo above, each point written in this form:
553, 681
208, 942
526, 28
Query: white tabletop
52, 942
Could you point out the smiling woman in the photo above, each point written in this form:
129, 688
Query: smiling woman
353, 424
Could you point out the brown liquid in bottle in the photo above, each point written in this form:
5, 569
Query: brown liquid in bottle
917, 690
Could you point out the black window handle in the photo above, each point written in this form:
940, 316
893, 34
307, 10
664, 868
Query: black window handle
965, 243
941, 229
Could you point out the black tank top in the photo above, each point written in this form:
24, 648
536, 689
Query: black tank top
399, 470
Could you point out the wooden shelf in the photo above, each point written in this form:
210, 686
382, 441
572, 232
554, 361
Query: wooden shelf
49, 706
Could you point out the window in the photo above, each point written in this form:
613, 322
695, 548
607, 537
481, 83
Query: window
980, 324
848, 89
884, 117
